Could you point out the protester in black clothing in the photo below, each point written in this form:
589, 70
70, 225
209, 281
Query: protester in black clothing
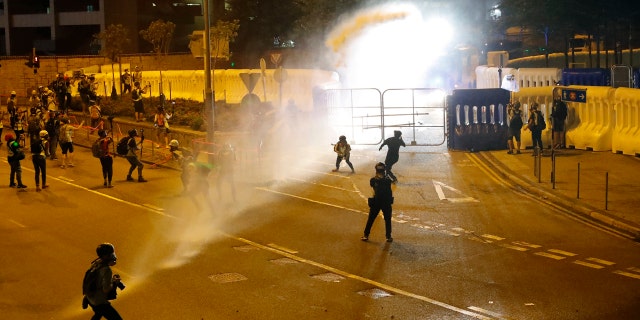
382, 200
132, 157
558, 116
393, 153
52, 126
14, 156
105, 285
39, 151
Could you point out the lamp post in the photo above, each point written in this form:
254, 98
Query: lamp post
209, 94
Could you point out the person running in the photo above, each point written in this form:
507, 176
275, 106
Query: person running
106, 160
105, 284
393, 152
382, 200
132, 156
343, 149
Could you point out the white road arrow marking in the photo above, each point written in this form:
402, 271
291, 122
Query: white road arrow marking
439, 185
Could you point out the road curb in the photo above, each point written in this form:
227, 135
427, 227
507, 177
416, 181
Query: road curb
627, 229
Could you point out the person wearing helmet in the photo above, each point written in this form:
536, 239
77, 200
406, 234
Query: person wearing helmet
35, 99
138, 107
106, 160
132, 156
39, 148
382, 200
12, 103
14, 156
393, 152
102, 287
343, 150
137, 75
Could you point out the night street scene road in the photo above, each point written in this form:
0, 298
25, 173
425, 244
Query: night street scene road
255, 203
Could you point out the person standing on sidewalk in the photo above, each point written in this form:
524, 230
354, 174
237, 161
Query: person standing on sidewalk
343, 149
132, 156
515, 126
558, 116
536, 124
382, 200
393, 152
106, 160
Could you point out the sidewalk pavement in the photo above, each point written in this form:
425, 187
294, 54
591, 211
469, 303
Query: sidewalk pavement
599, 187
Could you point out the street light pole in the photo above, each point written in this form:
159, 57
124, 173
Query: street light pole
209, 94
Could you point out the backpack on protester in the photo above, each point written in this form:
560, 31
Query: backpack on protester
90, 280
541, 123
122, 148
96, 148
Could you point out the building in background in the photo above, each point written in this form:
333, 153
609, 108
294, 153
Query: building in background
66, 27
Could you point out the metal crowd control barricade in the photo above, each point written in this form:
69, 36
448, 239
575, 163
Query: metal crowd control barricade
621, 76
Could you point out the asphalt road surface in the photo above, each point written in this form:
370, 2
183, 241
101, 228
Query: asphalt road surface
466, 245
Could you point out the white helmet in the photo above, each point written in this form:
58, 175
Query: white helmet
44, 134
174, 143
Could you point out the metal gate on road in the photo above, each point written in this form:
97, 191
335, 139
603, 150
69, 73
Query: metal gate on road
368, 116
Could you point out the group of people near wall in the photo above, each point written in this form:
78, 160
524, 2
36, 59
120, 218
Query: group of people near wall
536, 124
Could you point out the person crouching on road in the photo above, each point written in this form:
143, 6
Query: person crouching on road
382, 200
13, 152
343, 149
132, 157
106, 160
39, 149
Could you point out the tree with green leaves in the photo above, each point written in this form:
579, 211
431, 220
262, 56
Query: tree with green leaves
159, 34
221, 35
114, 41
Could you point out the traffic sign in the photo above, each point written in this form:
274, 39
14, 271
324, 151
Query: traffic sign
574, 95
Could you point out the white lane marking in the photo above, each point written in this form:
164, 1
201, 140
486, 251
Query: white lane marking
627, 274
17, 223
526, 244
564, 253
491, 313
275, 246
634, 269
587, 264
323, 185
492, 237
508, 246
549, 255
439, 185
363, 279
150, 206
600, 261
311, 200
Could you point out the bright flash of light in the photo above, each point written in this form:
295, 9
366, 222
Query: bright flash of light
389, 46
